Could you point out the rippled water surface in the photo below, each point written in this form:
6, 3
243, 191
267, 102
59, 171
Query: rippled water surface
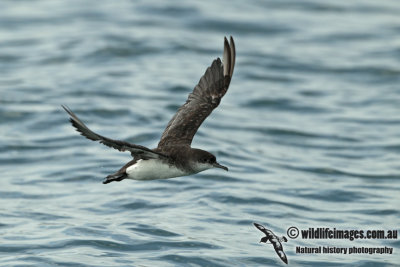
309, 130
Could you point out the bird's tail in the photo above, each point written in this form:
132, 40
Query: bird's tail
116, 177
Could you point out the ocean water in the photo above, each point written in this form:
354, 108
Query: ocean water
310, 130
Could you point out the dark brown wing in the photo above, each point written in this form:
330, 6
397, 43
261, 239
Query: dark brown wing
266, 231
279, 250
205, 97
135, 150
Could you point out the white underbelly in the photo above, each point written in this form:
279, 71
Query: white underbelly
152, 169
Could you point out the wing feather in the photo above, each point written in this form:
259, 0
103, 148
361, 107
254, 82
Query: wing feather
205, 97
136, 150
279, 251
261, 228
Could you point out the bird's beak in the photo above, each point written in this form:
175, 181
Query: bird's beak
217, 165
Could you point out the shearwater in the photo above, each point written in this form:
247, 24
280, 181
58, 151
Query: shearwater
174, 155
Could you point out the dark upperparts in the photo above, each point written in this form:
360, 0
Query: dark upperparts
174, 145
183, 157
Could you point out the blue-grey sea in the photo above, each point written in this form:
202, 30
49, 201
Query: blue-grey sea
310, 131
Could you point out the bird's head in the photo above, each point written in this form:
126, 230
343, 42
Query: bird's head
205, 160
265, 239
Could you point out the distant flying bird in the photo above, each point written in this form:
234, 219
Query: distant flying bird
274, 240
174, 155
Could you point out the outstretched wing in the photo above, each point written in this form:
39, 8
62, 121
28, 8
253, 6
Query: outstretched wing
135, 150
262, 229
279, 250
205, 97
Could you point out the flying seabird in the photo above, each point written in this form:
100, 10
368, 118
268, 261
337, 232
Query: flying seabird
174, 155
274, 240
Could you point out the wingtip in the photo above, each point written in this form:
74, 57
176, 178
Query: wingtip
227, 57
226, 45
66, 108
233, 55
